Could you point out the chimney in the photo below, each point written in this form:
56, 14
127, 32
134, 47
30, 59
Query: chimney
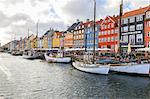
78, 20
87, 20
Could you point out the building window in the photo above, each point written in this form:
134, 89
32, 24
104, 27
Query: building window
108, 39
101, 33
91, 30
108, 31
112, 38
112, 31
99, 40
148, 14
96, 29
148, 34
82, 26
82, 31
116, 30
125, 21
108, 25
125, 29
125, 38
139, 18
132, 28
132, 19
105, 26
139, 38
148, 44
139, 27
148, 24
132, 39
116, 38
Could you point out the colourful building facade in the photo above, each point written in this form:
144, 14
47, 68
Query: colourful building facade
108, 34
45, 40
89, 34
68, 40
78, 36
56, 39
147, 28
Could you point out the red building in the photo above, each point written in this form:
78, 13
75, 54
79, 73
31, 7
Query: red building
108, 34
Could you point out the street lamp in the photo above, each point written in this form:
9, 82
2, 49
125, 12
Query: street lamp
94, 31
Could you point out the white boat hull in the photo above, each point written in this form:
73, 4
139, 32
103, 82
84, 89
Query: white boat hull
136, 68
57, 60
30, 57
99, 69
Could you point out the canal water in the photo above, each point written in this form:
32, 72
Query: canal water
37, 79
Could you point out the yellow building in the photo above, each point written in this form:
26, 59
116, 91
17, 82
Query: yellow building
45, 41
56, 39
30, 43
35, 42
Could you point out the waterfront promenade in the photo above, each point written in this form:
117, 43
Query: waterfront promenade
37, 79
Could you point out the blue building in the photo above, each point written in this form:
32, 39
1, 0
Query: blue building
89, 35
50, 34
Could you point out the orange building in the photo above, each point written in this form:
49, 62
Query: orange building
56, 39
69, 36
147, 28
68, 40
108, 34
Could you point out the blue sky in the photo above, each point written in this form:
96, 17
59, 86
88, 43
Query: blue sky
18, 15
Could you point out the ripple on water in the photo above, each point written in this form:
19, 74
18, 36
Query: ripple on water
38, 79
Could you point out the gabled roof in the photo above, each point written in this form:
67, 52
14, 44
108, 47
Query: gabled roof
74, 25
136, 12
58, 33
112, 18
49, 32
148, 9
31, 35
92, 23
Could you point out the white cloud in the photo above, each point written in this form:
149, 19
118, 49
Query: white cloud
18, 15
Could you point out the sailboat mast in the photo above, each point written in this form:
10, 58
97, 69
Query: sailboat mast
37, 31
63, 35
28, 39
94, 32
120, 18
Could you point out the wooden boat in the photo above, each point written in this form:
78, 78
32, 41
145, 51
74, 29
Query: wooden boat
131, 68
16, 53
31, 55
57, 59
91, 68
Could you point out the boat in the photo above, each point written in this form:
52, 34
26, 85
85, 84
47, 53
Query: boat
131, 68
53, 59
86, 66
91, 68
16, 53
31, 55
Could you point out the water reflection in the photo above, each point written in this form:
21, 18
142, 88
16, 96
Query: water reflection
38, 79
